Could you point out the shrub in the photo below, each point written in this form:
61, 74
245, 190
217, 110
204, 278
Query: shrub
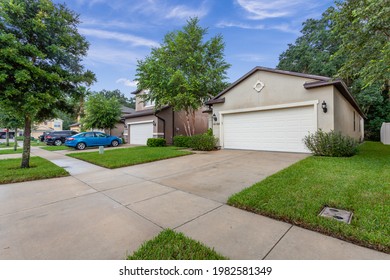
203, 142
332, 144
156, 142
182, 141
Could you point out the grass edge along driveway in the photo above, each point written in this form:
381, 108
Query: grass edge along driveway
10, 171
360, 184
129, 156
170, 245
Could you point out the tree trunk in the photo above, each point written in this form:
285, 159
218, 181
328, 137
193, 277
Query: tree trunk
26, 143
15, 140
7, 137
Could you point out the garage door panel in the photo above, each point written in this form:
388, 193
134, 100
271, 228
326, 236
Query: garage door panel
140, 132
273, 130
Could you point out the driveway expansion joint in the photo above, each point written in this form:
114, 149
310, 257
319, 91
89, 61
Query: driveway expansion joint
277, 242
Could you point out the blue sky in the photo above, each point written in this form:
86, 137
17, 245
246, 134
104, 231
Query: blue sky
120, 32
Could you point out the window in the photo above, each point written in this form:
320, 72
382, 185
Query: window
89, 134
360, 124
99, 134
148, 103
57, 124
354, 121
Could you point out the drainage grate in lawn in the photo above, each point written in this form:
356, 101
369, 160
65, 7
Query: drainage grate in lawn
337, 214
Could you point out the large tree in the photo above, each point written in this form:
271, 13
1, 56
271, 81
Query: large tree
123, 100
184, 71
40, 60
317, 51
312, 51
363, 27
101, 112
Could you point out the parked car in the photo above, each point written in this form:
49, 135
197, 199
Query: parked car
43, 136
89, 139
3, 135
58, 138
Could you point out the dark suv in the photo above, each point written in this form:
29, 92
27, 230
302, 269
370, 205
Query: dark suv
57, 138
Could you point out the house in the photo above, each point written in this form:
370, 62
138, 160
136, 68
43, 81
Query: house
119, 130
273, 110
146, 123
49, 125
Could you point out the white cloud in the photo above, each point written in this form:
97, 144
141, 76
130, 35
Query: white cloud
280, 27
122, 37
263, 9
112, 56
127, 82
224, 24
184, 12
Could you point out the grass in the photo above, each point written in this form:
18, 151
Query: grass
10, 171
57, 148
10, 151
360, 184
129, 156
170, 245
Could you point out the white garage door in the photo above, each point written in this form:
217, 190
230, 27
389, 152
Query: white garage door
140, 132
272, 130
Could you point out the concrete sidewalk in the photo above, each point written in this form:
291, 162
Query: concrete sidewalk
99, 213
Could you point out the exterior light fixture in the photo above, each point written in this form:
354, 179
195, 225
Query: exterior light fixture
154, 123
215, 117
324, 107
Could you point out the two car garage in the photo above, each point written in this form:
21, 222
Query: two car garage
273, 110
269, 130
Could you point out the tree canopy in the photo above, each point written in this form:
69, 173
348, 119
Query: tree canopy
123, 100
184, 71
101, 112
323, 49
40, 60
363, 27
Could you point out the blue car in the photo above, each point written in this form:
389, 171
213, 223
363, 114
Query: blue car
89, 139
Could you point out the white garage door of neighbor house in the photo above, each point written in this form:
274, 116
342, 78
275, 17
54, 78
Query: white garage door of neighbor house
271, 130
140, 132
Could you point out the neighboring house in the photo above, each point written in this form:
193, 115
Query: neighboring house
273, 110
146, 123
119, 130
49, 125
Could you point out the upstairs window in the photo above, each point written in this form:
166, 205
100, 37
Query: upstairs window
148, 103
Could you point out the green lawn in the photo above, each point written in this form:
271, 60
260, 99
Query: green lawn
169, 245
10, 151
57, 148
360, 184
129, 156
10, 171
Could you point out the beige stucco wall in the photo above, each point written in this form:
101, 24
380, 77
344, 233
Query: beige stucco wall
278, 89
347, 119
48, 125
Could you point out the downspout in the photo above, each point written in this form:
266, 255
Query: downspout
158, 117
173, 125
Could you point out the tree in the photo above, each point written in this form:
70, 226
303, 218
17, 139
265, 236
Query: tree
312, 51
364, 29
184, 71
40, 60
9, 121
123, 100
317, 51
101, 112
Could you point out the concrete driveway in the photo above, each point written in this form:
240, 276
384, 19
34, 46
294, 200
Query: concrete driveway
105, 214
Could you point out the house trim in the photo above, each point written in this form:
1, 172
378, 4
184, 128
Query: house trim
313, 103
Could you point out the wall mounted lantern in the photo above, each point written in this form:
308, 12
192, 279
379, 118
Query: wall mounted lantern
324, 107
215, 117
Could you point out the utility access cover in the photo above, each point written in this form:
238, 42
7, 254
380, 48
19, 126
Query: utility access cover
337, 214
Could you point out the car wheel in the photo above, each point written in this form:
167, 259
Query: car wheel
81, 146
114, 143
58, 142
